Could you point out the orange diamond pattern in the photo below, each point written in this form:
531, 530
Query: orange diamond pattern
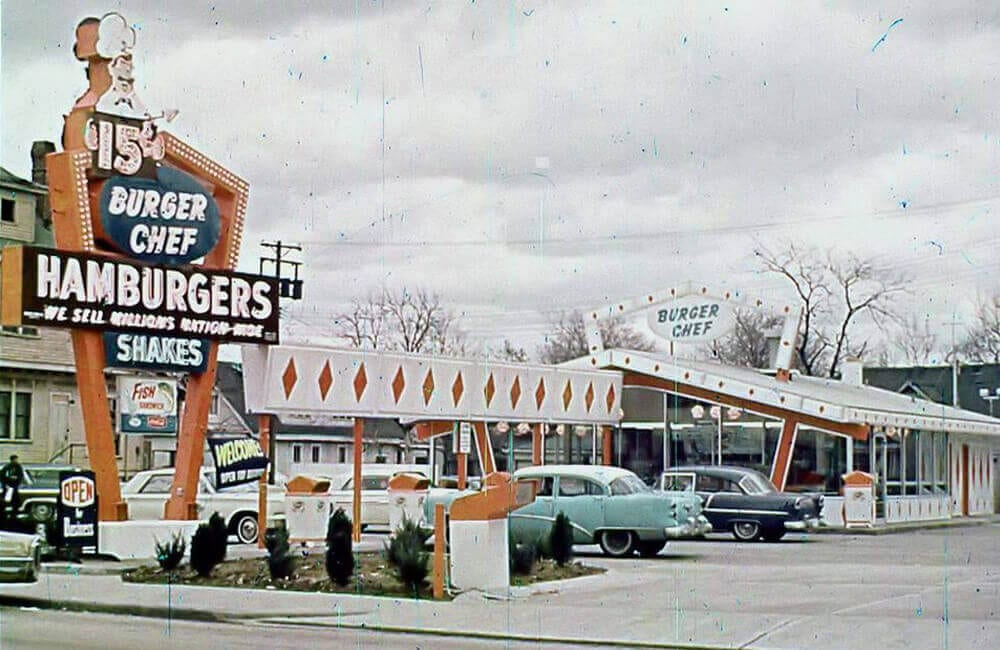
289, 378
515, 392
489, 390
540, 393
567, 395
428, 386
588, 397
457, 389
611, 398
360, 382
325, 380
398, 384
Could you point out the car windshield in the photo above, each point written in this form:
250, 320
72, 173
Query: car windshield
631, 484
754, 483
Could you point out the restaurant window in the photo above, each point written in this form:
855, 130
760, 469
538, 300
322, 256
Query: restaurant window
315, 453
15, 415
296, 453
341, 454
819, 461
941, 469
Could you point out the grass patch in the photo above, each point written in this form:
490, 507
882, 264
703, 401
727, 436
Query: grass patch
372, 576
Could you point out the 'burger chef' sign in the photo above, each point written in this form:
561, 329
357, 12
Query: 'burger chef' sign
170, 220
692, 319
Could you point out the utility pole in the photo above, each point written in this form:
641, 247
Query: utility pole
287, 287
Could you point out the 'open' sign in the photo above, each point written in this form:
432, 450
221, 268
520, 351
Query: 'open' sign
77, 492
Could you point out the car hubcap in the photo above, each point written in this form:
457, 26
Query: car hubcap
617, 542
248, 529
746, 530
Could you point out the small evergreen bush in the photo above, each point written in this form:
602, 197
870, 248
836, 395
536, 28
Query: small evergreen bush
405, 553
339, 554
203, 551
280, 561
561, 540
219, 536
522, 556
169, 554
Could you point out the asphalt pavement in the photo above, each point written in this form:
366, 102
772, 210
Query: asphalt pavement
935, 588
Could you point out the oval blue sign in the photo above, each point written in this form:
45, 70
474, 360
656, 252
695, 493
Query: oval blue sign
170, 220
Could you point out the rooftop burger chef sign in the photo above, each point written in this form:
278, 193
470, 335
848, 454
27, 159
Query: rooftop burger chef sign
691, 319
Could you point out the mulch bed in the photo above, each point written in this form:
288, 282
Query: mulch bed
372, 576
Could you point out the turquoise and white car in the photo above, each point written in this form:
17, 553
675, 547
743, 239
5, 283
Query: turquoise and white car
609, 506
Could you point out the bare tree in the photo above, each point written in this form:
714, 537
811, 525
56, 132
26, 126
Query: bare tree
835, 292
747, 344
915, 341
509, 352
407, 321
982, 339
568, 339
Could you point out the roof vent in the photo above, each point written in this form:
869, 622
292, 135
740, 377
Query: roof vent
852, 371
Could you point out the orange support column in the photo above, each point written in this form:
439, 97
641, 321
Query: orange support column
485, 447
607, 448
88, 347
264, 427
537, 453
191, 442
463, 469
783, 453
359, 448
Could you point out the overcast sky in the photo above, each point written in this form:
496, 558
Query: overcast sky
523, 158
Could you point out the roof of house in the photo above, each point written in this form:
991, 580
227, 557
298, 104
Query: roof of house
935, 382
8, 179
814, 396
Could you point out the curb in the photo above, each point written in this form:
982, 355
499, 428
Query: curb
198, 615
892, 529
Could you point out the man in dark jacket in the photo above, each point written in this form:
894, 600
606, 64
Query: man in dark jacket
11, 477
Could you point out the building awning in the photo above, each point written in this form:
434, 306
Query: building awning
818, 398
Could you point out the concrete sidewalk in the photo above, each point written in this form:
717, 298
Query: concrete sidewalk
908, 591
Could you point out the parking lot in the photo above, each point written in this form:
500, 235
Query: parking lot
921, 589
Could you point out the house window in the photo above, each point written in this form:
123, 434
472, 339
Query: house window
23, 330
7, 213
296, 453
315, 453
341, 454
15, 415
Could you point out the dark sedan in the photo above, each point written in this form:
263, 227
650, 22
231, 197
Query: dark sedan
744, 502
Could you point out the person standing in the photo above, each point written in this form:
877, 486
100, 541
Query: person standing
11, 477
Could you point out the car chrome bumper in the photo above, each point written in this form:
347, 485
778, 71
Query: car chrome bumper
695, 527
805, 524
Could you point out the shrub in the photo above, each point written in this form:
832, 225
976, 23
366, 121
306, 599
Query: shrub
339, 554
522, 556
169, 554
561, 540
203, 551
280, 561
405, 553
219, 536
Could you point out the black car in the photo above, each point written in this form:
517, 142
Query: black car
744, 502
39, 492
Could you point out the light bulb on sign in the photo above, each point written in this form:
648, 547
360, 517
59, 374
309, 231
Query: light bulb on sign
715, 412
697, 411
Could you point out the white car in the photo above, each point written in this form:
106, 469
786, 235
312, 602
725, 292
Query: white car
374, 495
146, 495
20, 557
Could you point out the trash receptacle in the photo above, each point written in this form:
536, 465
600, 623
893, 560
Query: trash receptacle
307, 508
407, 494
859, 500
